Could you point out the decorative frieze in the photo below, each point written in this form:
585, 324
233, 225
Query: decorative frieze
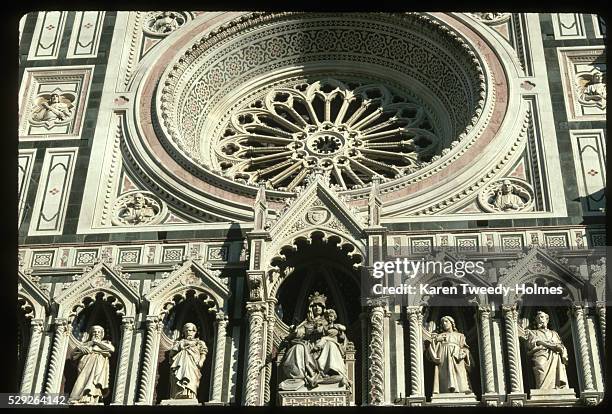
49, 211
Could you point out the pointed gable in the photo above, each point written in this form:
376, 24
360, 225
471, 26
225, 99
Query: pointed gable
36, 299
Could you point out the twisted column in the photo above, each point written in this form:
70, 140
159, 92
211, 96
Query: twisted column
221, 322
36, 329
485, 331
376, 354
271, 320
512, 343
254, 364
58, 356
601, 313
415, 322
149, 361
127, 328
577, 314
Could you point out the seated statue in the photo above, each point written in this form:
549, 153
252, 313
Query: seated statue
187, 355
315, 349
93, 356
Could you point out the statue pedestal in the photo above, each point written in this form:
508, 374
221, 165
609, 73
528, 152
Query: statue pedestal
324, 395
454, 399
183, 401
555, 395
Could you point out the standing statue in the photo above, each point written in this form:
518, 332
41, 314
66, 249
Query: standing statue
187, 356
450, 354
548, 355
92, 382
316, 349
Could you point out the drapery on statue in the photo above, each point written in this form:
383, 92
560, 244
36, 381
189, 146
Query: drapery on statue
450, 354
316, 349
548, 355
92, 382
187, 356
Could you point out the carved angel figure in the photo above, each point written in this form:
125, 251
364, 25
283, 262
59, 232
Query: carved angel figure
449, 352
188, 355
548, 355
52, 109
507, 199
592, 88
92, 382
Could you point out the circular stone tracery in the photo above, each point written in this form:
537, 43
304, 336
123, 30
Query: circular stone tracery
352, 130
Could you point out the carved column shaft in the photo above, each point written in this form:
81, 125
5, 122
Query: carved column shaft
601, 313
485, 337
149, 361
269, 344
512, 343
127, 328
415, 321
577, 315
254, 363
36, 329
376, 369
217, 388
58, 356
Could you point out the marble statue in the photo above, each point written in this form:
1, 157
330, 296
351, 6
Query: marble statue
93, 368
450, 354
137, 210
187, 355
316, 349
506, 199
548, 355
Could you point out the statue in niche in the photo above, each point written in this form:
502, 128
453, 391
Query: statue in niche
187, 355
137, 209
316, 351
506, 198
548, 355
592, 88
52, 109
93, 368
449, 352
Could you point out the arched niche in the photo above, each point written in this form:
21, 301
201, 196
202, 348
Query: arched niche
328, 265
100, 296
192, 307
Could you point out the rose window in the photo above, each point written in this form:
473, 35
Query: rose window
350, 130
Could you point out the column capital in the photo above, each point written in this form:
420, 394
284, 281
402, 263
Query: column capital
379, 301
221, 317
256, 307
127, 322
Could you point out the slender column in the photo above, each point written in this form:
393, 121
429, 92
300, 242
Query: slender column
601, 314
256, 313
513, 346
149, 362
484, 313
377, 359
271, 320
127, 328
36, 329
58, 356
577, 315
221, 322
415, 322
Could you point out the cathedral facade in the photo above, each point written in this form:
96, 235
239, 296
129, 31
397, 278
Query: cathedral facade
215, 208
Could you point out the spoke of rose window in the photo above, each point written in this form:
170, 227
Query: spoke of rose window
265, 158
351, 174
339, 178
348, 98
280, 177
383, 154
358, 112
275, 167
392, 169
368, 119
382, 125
264, 138
297, 179
382, 135
362, 168
282, 121
292, 112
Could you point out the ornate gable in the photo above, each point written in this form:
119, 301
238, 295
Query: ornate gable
37, 300
109, 281
189, 276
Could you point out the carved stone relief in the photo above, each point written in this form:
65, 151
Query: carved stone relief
509, 195
137, 208
163, 23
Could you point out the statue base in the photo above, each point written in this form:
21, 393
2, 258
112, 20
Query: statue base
454, 399
327, 395
183, 401
559, 396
